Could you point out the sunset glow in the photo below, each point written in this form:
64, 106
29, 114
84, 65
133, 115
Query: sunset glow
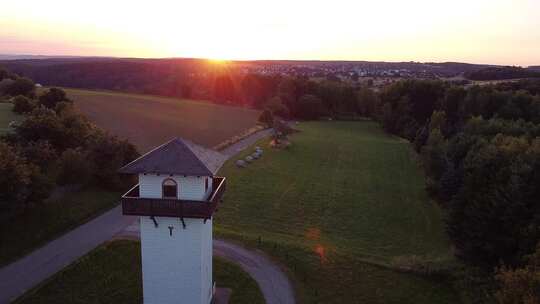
483, 31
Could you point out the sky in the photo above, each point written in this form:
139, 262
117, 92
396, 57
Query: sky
477, 31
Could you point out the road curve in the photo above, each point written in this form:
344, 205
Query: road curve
274, 284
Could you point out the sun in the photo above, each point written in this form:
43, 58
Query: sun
218, 61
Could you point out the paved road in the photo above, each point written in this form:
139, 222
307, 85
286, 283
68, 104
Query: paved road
20, 276
17, 277
244, 143
274, 284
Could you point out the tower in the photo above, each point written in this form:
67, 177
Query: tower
176, 197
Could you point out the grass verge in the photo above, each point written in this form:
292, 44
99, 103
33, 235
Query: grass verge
112, 274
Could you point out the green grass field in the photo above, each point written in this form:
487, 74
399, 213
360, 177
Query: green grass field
148, 121
337, 208
112, 274
7, 116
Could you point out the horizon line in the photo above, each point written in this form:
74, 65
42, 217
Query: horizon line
249, 60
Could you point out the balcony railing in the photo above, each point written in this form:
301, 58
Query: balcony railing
133, 204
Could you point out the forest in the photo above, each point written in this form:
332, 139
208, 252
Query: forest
480, 149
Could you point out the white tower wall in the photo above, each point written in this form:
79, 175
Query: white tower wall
176, 268
189, 187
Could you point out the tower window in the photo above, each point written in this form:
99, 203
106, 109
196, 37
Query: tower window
170, 189
206, 184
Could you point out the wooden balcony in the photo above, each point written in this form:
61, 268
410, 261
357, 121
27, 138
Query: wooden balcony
133, 204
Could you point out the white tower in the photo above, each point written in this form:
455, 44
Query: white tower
176, 197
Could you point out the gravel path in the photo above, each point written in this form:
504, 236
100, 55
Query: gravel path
25, 273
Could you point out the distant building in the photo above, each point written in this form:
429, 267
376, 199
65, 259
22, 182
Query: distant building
176, 197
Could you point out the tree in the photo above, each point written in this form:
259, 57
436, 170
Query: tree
367, 102
40, 153
277, 107
5, 84
520, 285
224, 90
495, 217
266, 118
310, 107
23, 105
74, 168
15, 178
108, 154
42, 124
437, 121
52, 97
434, 155
21, 86
3, 74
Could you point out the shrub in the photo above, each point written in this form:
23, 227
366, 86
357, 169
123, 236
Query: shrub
23, 105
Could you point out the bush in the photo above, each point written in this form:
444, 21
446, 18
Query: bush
21, 86
52, 97
74, 168
23, 105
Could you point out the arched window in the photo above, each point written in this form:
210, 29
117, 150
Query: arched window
170, 189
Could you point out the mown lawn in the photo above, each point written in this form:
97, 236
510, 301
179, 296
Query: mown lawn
148, 121
44, 222
337, 208
112, 274
7, 116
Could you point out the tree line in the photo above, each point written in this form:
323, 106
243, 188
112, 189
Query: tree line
54, 145
480, 149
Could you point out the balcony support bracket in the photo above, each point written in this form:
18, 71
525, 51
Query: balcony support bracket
183, 223
155, 221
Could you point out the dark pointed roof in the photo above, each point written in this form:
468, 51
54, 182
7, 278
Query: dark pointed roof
178, 156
